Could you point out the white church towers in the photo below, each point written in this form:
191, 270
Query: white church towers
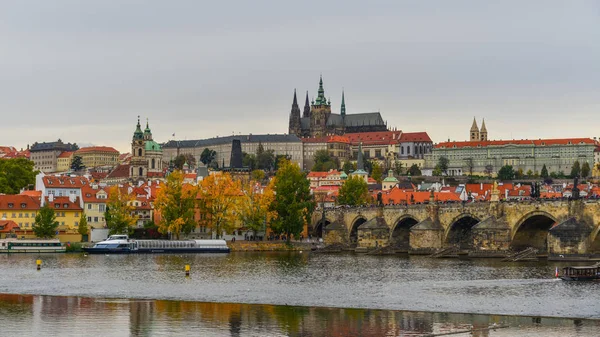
477, 134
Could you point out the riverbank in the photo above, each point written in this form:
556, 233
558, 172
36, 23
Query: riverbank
268, 246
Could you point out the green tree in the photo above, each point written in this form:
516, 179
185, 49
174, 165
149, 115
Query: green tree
45, 223
544, 174
519, 173
354, 192
208, 156
585, 169
376, 173
265, 159
16, 174
249, 161
529, 173
443, 163
349, 167
470, 166
324, 162
397, 167
77, 164
118, 214
437, 171
506, 173
179, 161
293, 202
278, 159
83, 225
414, 170
575, 169
257, 175
176, 203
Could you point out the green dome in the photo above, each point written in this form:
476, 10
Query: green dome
152, 146
343, 175
390, 178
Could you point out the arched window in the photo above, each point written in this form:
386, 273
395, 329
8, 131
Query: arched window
139, 152
141, 172
153, 163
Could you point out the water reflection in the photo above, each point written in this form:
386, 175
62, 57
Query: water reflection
26, 315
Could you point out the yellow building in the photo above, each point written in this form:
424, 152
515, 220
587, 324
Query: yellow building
67, 210
19, 208
63, 161
95, 156
407, 163
94, 205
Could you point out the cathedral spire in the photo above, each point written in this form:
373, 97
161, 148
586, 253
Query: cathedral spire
295, 103
343, 108
306, 113
138, 134
474, 131
359, 159
321, 100
295, 127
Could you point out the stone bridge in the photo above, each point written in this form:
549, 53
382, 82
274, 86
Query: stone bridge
563, 229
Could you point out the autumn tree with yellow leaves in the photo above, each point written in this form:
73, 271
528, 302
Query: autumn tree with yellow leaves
176, 203
255, 207
219, 202
118, 214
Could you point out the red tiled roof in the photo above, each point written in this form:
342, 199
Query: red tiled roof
65, 154
62, 201
415, 137
33, 194
97, 149
8, 225
121, 171
89, 194
19, 202
535, 142
64, 182
398, 196
327, 139
375, 138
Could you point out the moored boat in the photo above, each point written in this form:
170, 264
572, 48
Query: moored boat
581, 273
31, 246
121, 244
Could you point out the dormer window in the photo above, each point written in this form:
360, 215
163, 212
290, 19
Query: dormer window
65, 205
49, 182
11, 205
23, 205
56, 205
88, 195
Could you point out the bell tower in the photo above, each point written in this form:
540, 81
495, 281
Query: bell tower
474, 132
139, 165
319, 113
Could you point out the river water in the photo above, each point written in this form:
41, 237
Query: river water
310, 290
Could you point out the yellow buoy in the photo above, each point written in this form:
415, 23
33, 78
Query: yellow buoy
38, 263
187, 270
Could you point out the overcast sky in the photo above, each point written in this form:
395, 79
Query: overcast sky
83, 71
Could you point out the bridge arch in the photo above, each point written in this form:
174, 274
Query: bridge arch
459, 233
400, 234
319, 227
359, 220
532, 231
595, 240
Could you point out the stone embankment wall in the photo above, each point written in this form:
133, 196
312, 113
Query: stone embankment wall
260, 246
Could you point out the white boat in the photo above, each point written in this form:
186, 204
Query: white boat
121, 244
31, 246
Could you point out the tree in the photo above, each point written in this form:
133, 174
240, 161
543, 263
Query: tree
585, 169
179, 161
519, 173
208, 156
77, 164
249, 161
278, 159
349, 167
45, 223
293, 202
437, 171
190, 160
470, 166
265, 160
324, 162
506, 173
489, 169
176, 203
219, 199
255, 206
15, 174
414, 170
397, 167
575, 169
443, 163
354, 192
83, 225
529, 173
257, 175
544, 174
118, 214
376, 173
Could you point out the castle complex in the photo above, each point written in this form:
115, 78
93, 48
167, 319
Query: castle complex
318, 121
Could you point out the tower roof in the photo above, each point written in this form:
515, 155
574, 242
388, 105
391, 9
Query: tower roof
321, 100
295, 103
474, 126
147, 131
306, 107
343, 108
483, 129
138, 134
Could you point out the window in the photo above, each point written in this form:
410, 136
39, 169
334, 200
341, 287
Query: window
11, 205
89, 219
62, 223
89, 206
95, 219
65, 205
102, 207
76, 214
20, 215
76, 224
56, 205
23, 205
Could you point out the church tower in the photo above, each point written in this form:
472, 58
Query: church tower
483, 135
306, 113
295, 127
474, 131
139, 166
319, 113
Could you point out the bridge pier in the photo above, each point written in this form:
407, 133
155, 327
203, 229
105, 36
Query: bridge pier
491, 238
374, 233
426, 237
571, 239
